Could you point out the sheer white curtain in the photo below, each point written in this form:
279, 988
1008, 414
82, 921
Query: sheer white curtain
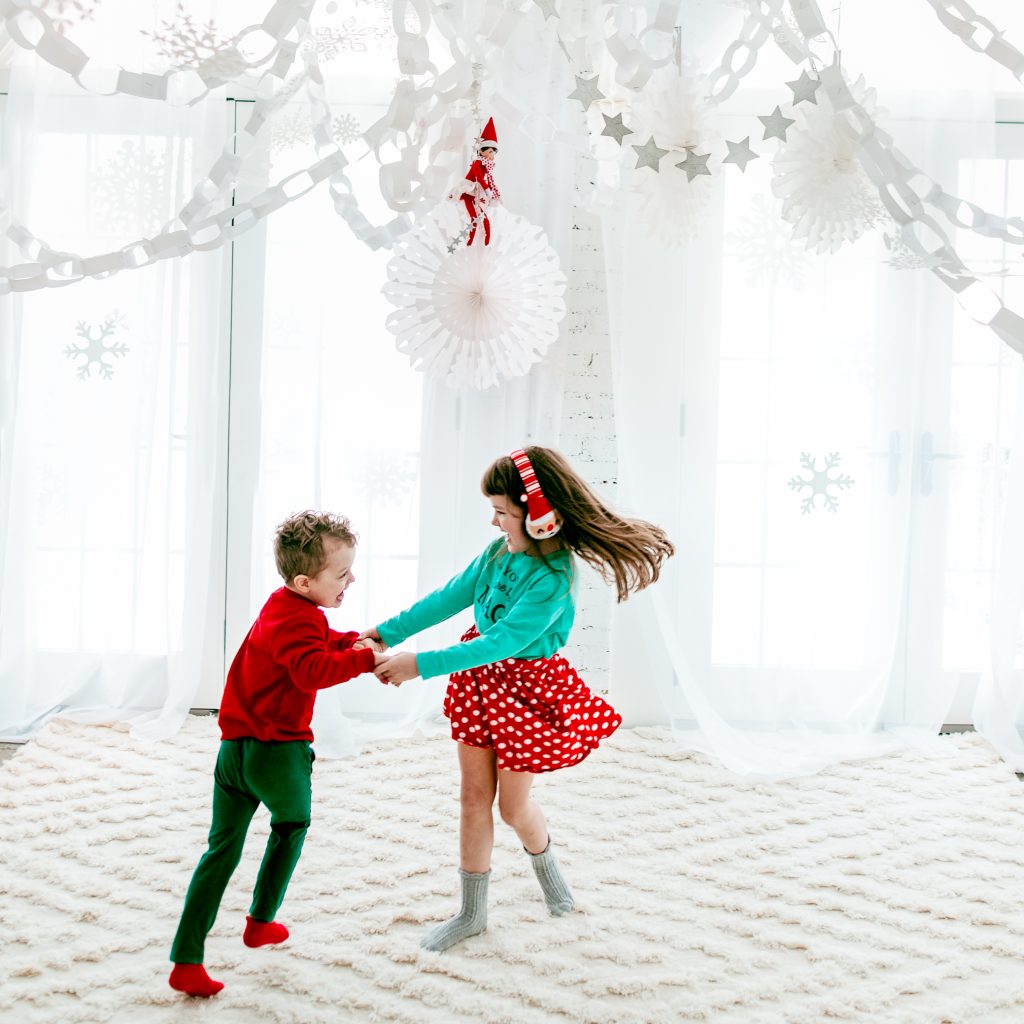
113, 424
327, 413
811, 430
999, 708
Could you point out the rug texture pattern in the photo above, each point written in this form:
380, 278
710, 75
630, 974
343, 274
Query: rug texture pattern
889, 891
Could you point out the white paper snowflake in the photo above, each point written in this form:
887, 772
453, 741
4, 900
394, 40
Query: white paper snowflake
183, 42
351, 37
130, 190
345, 129
290, 127
825, 193
65, 14
820, 482
474, 315
765, 244
673, 109
388, 480
96, 349
902, 257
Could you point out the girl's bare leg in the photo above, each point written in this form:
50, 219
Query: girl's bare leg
476, 840
519, 811
479, 771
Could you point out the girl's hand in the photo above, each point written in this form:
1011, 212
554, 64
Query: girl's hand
370, 643
374, 640
399, 669
380, 659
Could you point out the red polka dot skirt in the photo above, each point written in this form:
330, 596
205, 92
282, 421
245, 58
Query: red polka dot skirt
536, 713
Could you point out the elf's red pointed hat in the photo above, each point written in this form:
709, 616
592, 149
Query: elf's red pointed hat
488, 137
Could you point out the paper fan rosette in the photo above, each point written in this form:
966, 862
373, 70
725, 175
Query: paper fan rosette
477, 314
826, 195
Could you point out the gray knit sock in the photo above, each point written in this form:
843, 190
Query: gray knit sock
471, 918
557, 894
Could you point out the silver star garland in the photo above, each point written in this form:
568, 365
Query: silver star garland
586, 91
775, 125
804, 88
694, 164
615, 129
740, 153
649, 155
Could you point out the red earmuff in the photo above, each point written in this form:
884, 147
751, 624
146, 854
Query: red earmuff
541, 519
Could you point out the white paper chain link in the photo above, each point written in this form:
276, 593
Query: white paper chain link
980, 34
764, 19
31, 27
893, 176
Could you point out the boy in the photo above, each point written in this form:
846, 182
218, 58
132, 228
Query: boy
265, 755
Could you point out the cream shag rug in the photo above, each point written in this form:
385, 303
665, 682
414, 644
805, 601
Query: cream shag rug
890, 890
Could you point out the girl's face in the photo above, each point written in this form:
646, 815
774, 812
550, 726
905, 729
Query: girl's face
508, 518
487, 153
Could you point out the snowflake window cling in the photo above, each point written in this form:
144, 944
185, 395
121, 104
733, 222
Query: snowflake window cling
478, 313
96, 349
820, 482
766, 248
132, 188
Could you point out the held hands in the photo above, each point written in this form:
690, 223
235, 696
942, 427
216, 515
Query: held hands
398, 669
368, 644
371, 638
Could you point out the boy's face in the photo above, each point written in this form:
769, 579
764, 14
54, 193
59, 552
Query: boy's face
487, 153
328, 586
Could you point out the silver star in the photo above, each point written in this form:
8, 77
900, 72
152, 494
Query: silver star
804, 88
548, 8
614, 128
649, 155
586, 91
740, 153
775, 125
694, 164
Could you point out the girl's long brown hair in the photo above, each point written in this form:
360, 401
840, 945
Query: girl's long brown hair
626, 552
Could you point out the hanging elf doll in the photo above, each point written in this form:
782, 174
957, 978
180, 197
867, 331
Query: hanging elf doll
481, 189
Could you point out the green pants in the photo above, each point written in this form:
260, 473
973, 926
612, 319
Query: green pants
249, 772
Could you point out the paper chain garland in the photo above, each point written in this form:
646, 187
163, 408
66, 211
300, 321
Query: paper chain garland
426, 127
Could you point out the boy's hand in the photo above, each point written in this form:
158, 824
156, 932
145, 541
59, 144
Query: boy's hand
380, 659
399, 669
368, 643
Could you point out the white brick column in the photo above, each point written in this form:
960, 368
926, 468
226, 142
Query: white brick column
587, 436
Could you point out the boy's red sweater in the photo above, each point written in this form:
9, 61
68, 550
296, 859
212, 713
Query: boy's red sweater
289, 653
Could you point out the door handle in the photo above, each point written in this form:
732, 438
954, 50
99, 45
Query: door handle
928, 457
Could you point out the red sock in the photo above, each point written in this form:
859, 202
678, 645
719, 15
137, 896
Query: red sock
263, 933
193, 980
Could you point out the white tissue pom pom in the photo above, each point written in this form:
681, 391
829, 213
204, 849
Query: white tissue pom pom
479, 314
674, 109
825, 193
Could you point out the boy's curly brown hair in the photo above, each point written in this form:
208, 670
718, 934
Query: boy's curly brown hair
299, 542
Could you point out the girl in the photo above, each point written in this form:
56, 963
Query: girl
516, 706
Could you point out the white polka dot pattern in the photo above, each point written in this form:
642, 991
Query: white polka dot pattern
536, 713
